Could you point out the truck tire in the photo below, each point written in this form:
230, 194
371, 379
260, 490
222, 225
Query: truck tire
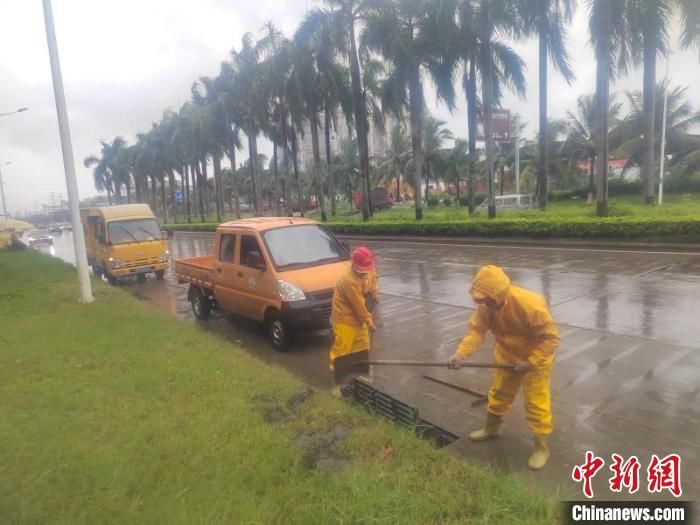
201, 307
277, 331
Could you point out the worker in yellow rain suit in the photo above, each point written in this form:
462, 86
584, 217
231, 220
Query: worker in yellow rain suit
352, 321
526, 336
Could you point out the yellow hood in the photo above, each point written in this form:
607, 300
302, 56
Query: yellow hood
492, 282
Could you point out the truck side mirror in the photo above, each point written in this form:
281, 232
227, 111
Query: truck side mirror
101, 239
256, 261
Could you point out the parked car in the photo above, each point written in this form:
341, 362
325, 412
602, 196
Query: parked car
279, 271
509, 202
55, 228
66, 226
37, 237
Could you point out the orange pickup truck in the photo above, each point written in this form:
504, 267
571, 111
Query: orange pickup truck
275, 270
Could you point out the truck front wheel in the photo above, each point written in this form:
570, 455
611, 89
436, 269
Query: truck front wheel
200, 304
277, 331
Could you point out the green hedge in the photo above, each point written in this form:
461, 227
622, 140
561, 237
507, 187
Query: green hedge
562, 227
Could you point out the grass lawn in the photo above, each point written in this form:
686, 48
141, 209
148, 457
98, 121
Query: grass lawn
115, 412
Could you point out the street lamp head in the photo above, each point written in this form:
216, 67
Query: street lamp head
20, 110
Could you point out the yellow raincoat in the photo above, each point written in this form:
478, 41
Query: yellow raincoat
524, 331
351, 319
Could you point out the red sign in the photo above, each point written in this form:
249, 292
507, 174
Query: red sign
500, 122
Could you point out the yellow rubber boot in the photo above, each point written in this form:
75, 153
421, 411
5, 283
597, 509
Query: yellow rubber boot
336, 392
490, 430
539, 457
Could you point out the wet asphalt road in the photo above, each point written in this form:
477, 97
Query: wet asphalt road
626, 377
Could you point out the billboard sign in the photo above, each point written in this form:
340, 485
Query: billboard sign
501, 126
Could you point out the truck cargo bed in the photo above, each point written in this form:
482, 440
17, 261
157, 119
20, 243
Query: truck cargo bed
196, 270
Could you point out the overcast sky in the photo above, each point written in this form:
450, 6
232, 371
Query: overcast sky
125, 62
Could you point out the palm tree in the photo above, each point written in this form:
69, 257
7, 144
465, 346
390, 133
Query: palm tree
397, 156
457, 163
580, 144
233, 119
608, 35
317, 33
649, 25
347, 167
409, 36
276, 54
111, 169
342, 16
680, 119
547, 19
249, 89
435, 134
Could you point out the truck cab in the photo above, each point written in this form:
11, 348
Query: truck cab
124, 240
278, 271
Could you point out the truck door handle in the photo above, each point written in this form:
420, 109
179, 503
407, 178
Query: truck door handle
218, 270
240, 274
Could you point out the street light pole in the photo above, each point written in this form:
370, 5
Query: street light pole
516, 136
20, 110
68, 160
2, 191
663, 134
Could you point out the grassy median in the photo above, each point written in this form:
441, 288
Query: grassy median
116, 412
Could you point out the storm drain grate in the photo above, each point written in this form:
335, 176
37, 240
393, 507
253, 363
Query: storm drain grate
381, 403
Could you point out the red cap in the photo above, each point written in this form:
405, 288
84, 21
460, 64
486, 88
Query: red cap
363, 259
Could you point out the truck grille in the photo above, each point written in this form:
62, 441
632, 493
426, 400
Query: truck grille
322, 295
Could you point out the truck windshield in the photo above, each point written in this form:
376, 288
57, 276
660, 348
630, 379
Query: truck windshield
301, 246
135, 230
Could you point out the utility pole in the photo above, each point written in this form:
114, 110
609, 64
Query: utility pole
516, 137
68, 160
663, 134
2, 193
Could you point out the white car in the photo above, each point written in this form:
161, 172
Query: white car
509, 202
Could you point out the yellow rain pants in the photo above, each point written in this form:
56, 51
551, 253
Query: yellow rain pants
348, 339
524, 331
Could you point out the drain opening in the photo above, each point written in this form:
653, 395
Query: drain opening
388, 407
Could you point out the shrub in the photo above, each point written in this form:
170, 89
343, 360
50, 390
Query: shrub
447, 201
433, 201
553, 227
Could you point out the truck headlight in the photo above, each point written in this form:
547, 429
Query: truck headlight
289, 292
115, 263
163, 257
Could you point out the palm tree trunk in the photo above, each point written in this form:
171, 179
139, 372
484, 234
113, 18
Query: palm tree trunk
329, 170
416, 110
195, 200
487, 100
360, 119
503, 178
118, 193
471, 124
109, 195
173, 189
234, 182
649, 88
591, 179
275, 171
154, 194
186, 190
163, 199
287, 189
427, 182
398, 186
253, 152
296, 173
602, 102
205, 188
315, 147
200, 190
543, 168
217, 186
